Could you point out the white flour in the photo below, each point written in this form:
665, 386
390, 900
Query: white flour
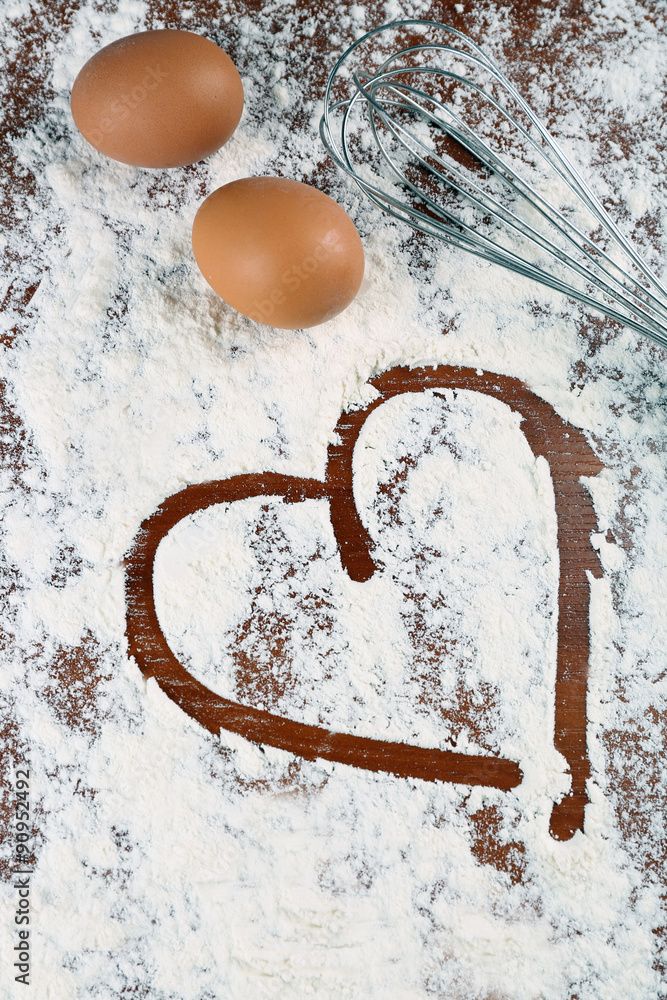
200, 868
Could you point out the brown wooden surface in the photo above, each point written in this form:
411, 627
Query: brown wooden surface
569, 457
626, 747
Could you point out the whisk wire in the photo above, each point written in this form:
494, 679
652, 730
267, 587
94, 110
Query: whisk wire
481, 198
386, 94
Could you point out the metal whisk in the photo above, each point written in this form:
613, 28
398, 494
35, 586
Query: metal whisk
462, 157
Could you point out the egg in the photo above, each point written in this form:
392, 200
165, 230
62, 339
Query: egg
158, 99
281, 252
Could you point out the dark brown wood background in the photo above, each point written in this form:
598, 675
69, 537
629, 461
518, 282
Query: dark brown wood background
541, 35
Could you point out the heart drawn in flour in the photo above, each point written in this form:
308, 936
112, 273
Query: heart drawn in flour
569, 458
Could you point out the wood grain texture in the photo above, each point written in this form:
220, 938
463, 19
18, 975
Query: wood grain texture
569, 457
537, 38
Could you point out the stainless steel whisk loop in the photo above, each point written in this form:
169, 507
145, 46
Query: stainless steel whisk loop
437, 172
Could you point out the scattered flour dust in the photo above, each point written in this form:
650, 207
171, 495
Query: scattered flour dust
174, 865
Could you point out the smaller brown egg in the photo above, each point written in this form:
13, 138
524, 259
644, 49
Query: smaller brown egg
158, 99
279, 251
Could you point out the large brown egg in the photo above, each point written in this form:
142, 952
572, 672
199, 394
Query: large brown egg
278, 251
158, 99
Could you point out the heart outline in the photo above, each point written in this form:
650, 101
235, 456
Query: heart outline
569, 457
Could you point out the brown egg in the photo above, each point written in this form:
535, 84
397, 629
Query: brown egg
158, 99
278, 251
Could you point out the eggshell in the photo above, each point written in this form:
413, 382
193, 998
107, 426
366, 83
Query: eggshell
279, 251
158, 99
